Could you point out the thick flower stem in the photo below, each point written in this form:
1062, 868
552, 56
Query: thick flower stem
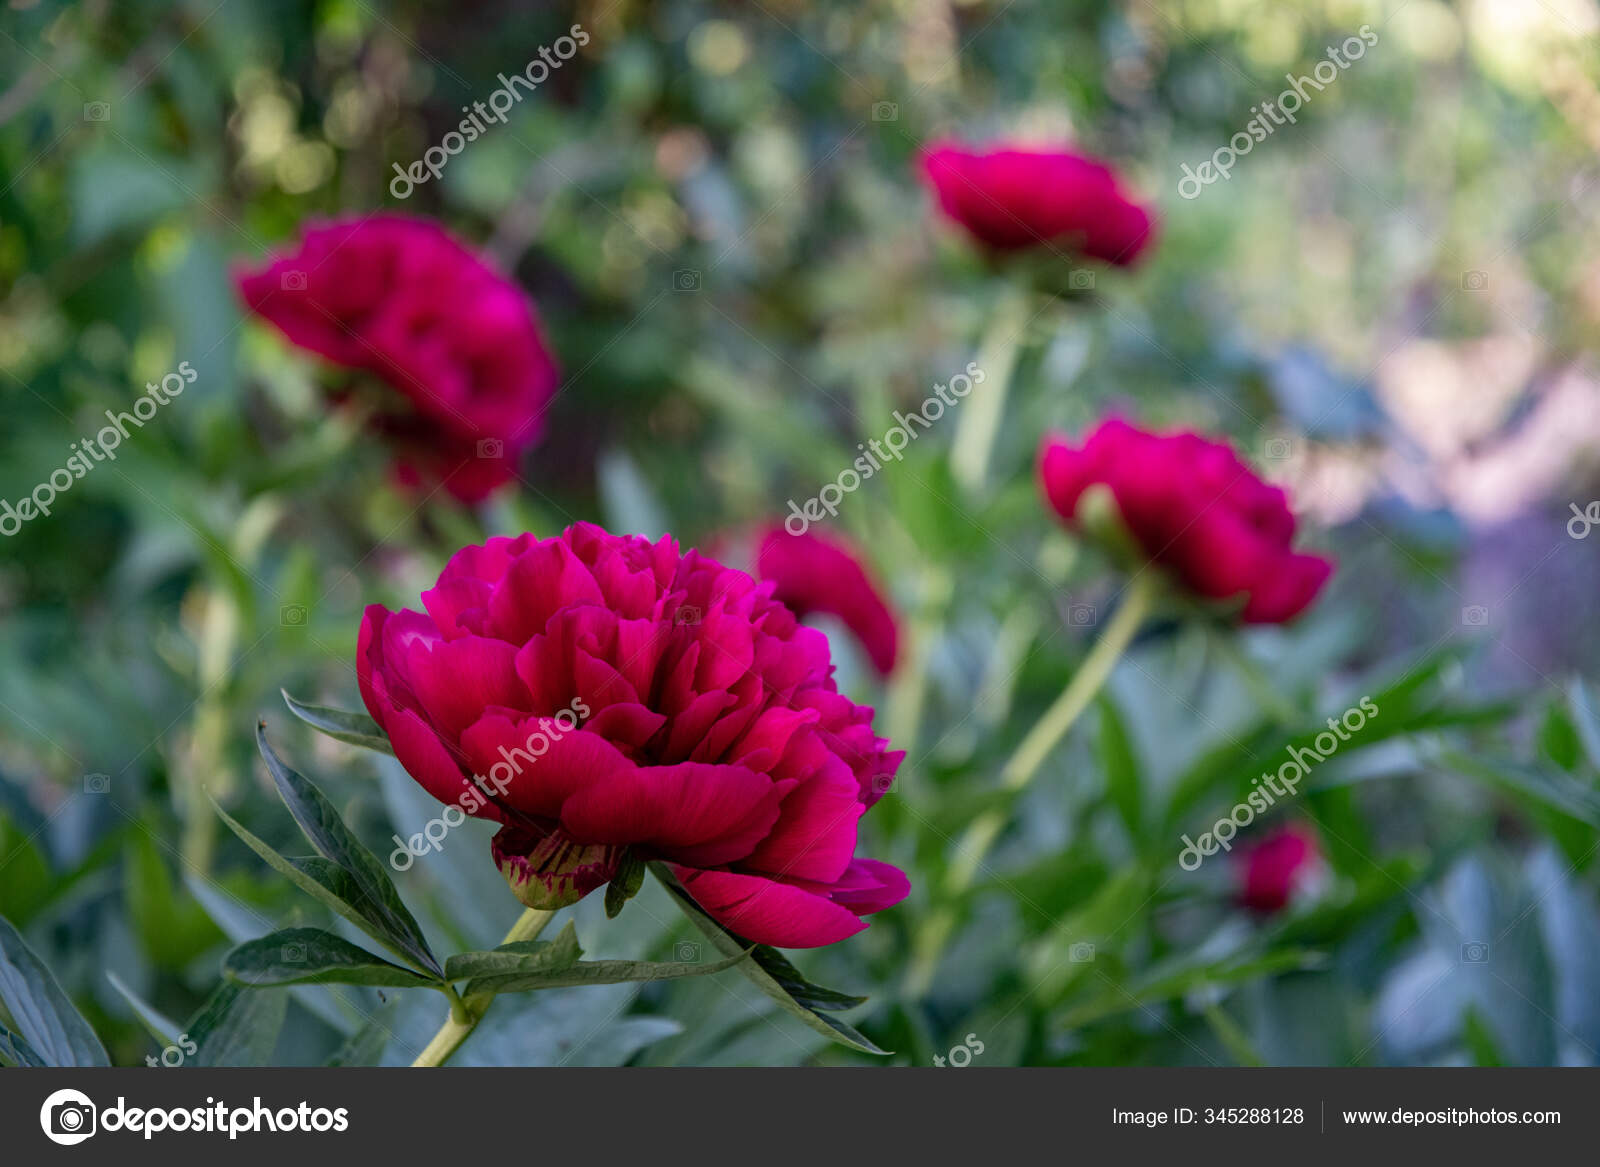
466, 1012
1024, 764
979, 426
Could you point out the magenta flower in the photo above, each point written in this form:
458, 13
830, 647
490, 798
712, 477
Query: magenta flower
1194, 508
459, 343
615, 700
823, 573
1010, 198
1275, 868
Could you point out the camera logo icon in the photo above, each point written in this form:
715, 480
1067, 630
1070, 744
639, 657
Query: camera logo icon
1081, 953
68, 1117
292, 615
1277, 449
686, 952
1081, 615
96, 783
491, 448
686, 280
1474, 281
1475, 616
97, 111
885, 111
293, 281
1081, 280
1474, 952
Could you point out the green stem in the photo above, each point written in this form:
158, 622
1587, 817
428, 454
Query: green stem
973, 446
1024, 764
466, 1012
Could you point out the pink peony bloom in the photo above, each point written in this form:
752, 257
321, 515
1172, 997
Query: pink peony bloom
613, 695
1010, 198
823, 573
459, 343
1275, 868
1194, 508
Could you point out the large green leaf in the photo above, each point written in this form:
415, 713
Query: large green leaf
324, 880
311, 956
356, 729
336, 843
1123, 786
599, 972
772, 973
45, 1018
518, 957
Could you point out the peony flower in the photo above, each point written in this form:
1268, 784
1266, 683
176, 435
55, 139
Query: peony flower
1010, 198
618, 700
823, 573
1274, 869
400, 298
1194, 508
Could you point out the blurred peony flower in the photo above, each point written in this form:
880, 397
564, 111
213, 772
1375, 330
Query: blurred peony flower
1274, 869
1010, 198
400, 298
824, 573
619, 700
1190, 505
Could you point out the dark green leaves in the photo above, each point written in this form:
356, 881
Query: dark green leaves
536, 964
310, 956
770, 971
236, 1028
357, 729
51, 1029
350, 879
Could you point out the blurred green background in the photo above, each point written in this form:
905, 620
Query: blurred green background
1390, 306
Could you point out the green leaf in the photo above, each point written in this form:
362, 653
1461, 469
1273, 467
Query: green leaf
1165, 986
339, 845
772, 973
237, 1028
625, 884
156, 1024
365, 1046
324, 880
1558, 738
174, 930
520, 956
27, 884
599, 972
311, 956
15, 1051
47, 1021
1585, 720
1117, 759
356, 729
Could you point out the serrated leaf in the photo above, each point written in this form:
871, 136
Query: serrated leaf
599, 972
625, 884
356, 729
772, 973
520, 956
236, 1027
311, 956
336, 843
46, 1019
